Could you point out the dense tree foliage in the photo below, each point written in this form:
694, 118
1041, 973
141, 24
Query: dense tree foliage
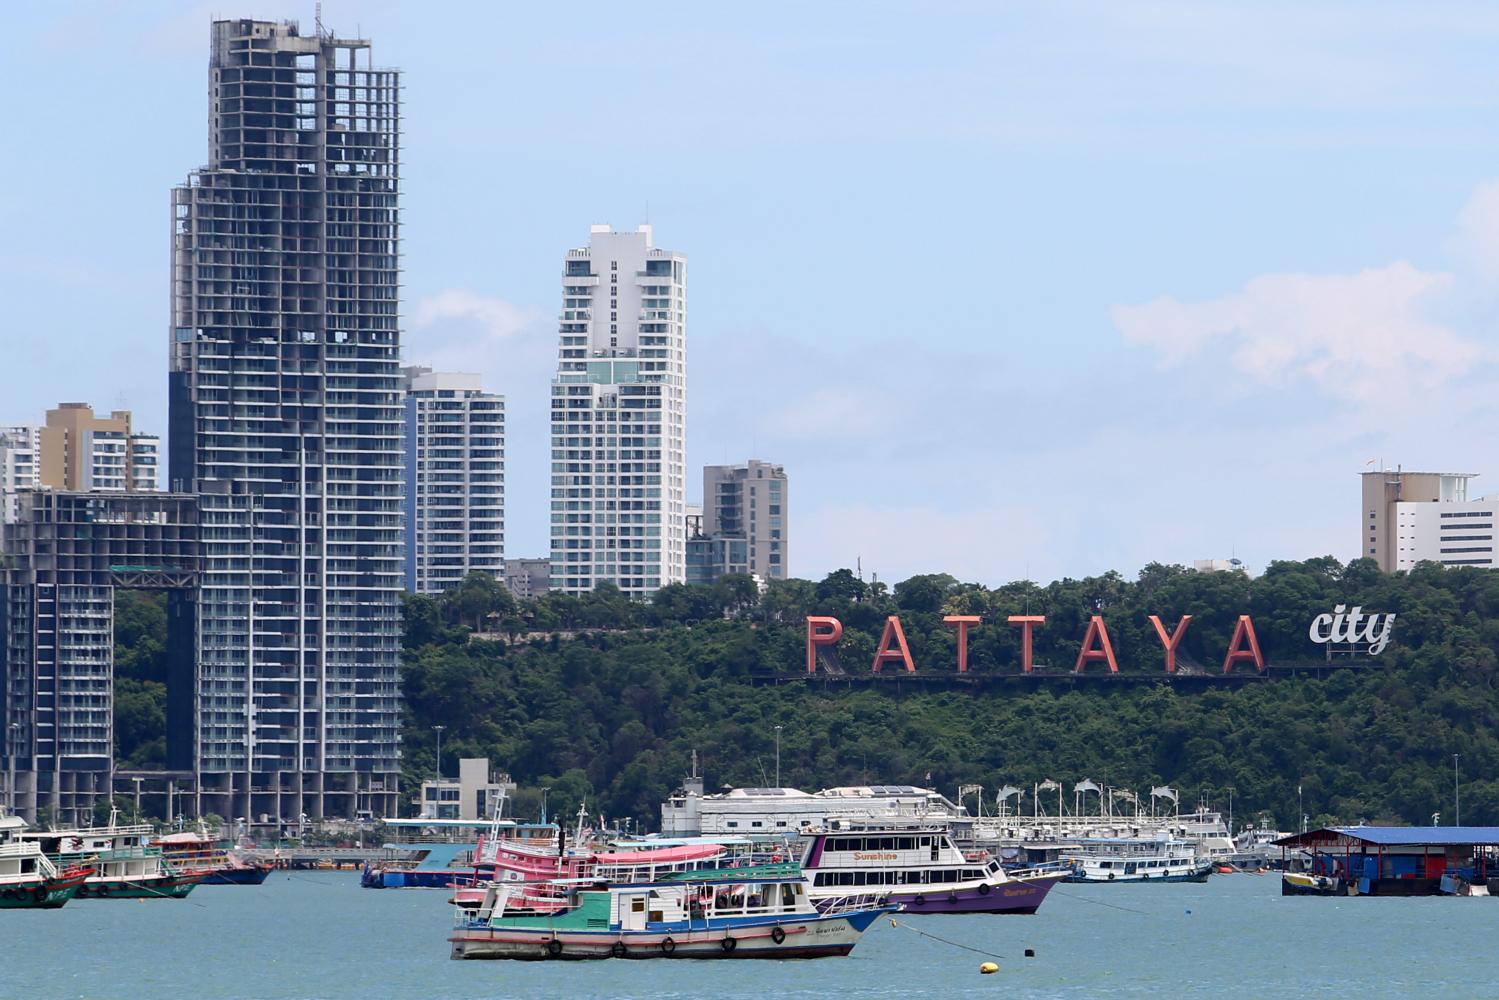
603, 699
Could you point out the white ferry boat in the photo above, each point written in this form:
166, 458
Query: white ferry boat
124, 864
28, 878
1135, 859
920, 870
762, 811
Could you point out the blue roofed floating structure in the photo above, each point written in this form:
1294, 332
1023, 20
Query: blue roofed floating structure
1395, 861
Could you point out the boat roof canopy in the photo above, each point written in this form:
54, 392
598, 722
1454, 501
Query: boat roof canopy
1396, 836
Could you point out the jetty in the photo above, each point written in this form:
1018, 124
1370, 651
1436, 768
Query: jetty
1395, 861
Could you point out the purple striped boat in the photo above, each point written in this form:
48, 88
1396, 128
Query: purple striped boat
921, 870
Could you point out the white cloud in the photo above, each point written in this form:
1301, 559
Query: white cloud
1477, 240
495, 317
1358, 337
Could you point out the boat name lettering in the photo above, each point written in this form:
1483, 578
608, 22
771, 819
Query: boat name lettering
874, 855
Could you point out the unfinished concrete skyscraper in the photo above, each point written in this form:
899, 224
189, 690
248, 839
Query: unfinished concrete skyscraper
286, 422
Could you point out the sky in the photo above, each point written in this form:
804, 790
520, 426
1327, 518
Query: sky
1012, 290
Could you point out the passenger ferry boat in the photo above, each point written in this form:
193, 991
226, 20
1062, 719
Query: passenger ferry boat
28, 878
1135, 859
920, 870
758, 912
195, 852
125, 866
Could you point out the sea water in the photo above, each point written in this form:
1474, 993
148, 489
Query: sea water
307, 936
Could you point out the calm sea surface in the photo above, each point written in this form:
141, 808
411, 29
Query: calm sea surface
319, 935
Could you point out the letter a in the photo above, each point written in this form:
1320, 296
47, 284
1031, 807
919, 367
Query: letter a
961, 623
884, 652
1096, 631
816, 637
1242, 632
1171, 641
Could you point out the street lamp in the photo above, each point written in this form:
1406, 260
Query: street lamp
438, 730
544, 790
778, 756
137, 798
1230, 811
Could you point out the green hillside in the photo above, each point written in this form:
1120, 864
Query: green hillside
602, 699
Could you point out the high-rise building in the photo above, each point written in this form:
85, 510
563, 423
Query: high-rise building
749, 503
77, 450
67, 554
1411, 517
285, 404
455, 480
20, 468
619, 417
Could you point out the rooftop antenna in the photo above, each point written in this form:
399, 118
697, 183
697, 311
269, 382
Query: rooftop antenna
859, 568
694, 764
318, 19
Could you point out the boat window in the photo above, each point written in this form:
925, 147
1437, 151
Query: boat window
788, 898
733, 822
822, 878
757, 823
637, 904
907, 843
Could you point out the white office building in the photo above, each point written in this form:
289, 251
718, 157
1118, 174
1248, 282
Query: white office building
1412, 517
619, 417
455, 480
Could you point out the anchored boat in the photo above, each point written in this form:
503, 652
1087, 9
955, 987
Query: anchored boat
758, 912
921, 870
1136, 859
194, 852
28, 878
124, 865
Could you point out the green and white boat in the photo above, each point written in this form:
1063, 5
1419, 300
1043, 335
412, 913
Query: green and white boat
28, 878
124, 864
753, 912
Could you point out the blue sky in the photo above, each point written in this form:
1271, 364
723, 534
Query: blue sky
1011, 289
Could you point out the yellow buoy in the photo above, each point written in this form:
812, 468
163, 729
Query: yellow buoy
988, 968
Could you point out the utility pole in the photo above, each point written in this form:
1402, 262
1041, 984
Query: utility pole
778, 756
544, 790
137, 798
1457, 808
1230, 812
438, 730
10, 755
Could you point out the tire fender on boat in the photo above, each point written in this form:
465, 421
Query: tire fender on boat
920, 899
778, 934
39, 893
728, 944
619, 950
985, 889
952, 897
668, 946
554, 947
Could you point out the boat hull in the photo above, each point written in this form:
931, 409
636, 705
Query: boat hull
827, 937
37, 895
1015, 896
160, 887
254, 875
1190, 876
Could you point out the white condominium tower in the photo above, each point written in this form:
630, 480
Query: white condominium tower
619, 417
455, 480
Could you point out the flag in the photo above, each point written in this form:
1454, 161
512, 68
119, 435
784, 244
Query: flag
1007, 791
1049, 784
1086, 786
1163, 792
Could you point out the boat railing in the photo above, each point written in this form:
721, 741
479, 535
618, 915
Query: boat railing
772, 870
829, 905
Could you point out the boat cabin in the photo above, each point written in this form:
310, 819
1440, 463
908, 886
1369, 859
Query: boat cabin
1402, 860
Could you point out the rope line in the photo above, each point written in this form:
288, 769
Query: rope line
955, 944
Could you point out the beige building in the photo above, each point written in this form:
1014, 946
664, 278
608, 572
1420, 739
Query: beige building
80, 451
1411, 517
750, 502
